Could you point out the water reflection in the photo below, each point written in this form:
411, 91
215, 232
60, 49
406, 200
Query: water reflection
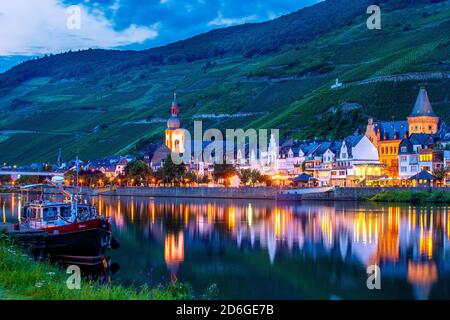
264, 249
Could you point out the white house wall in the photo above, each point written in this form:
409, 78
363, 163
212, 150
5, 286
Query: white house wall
365, 150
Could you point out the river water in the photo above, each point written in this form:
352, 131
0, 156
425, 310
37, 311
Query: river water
253, 249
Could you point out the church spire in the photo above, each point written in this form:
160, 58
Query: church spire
174, 109
423, 105
174, 122
423, 119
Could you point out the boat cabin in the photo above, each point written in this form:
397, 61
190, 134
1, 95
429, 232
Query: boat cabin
48, 214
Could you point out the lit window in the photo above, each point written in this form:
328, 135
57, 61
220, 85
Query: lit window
426, 157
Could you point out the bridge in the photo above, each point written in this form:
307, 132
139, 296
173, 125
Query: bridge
32, 173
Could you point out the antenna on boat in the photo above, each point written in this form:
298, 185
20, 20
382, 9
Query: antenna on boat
77, 170
74, 197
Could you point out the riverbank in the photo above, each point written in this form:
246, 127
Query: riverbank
22, 278
416, 197
172, 192
250, 193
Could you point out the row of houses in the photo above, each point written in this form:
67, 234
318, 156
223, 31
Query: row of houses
388, 153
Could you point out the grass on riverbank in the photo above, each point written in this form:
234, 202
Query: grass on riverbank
439, 196
23, 278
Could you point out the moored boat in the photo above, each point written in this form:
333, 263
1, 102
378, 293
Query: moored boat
65, 229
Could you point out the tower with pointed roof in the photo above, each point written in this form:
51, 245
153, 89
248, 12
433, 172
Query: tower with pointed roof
174, 135
423, 119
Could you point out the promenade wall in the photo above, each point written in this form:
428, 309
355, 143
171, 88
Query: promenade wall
266, 193
179, 192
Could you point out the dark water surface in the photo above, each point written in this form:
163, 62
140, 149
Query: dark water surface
256, 249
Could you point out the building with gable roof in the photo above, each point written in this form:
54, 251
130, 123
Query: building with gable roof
421, 128
357, 161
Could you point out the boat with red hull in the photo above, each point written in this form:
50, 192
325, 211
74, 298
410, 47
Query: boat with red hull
66, 231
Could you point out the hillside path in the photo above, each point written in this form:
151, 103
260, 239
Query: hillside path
411, 76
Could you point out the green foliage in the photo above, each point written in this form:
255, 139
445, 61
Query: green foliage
224, 172
4, 179
253, 40
267, 180
249, 176
337, 124
191, 177
179, 290
440, 173
95, 103
171, 172
138, 172
25, 279
203, 179
438, 196
24, 180
91, 178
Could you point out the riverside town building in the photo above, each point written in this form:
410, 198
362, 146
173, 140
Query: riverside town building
396, 153
391, 153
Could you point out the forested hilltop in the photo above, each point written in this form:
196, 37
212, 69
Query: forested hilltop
275, 74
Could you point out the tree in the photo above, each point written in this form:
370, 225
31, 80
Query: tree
224, 172
91, 178
249, 176
70, 175
171, 172
440, 174
5, 179
119, 180
138, 172
204, 179
24, 180
190, 177
46, 167
245, 175
159, 175
266, 179
86, 178
256, 176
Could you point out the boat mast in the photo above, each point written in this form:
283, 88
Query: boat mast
74, 197
76, 180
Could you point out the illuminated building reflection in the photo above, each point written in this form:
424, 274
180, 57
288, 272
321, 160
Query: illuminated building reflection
174, 251
407, 242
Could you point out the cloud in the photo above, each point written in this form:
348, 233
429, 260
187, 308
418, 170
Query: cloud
221, 21
181, 19
31, 27
34, 27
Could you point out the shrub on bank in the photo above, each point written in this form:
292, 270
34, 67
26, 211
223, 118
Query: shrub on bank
24, 278
439, 196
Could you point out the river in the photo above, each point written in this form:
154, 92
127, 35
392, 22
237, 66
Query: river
256, 249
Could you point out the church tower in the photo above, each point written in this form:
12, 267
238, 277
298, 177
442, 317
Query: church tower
423, 119
174, 135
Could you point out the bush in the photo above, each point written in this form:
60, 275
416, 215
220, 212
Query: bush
439, 196
24, 278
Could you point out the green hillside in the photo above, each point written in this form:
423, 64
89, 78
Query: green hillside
96, 102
